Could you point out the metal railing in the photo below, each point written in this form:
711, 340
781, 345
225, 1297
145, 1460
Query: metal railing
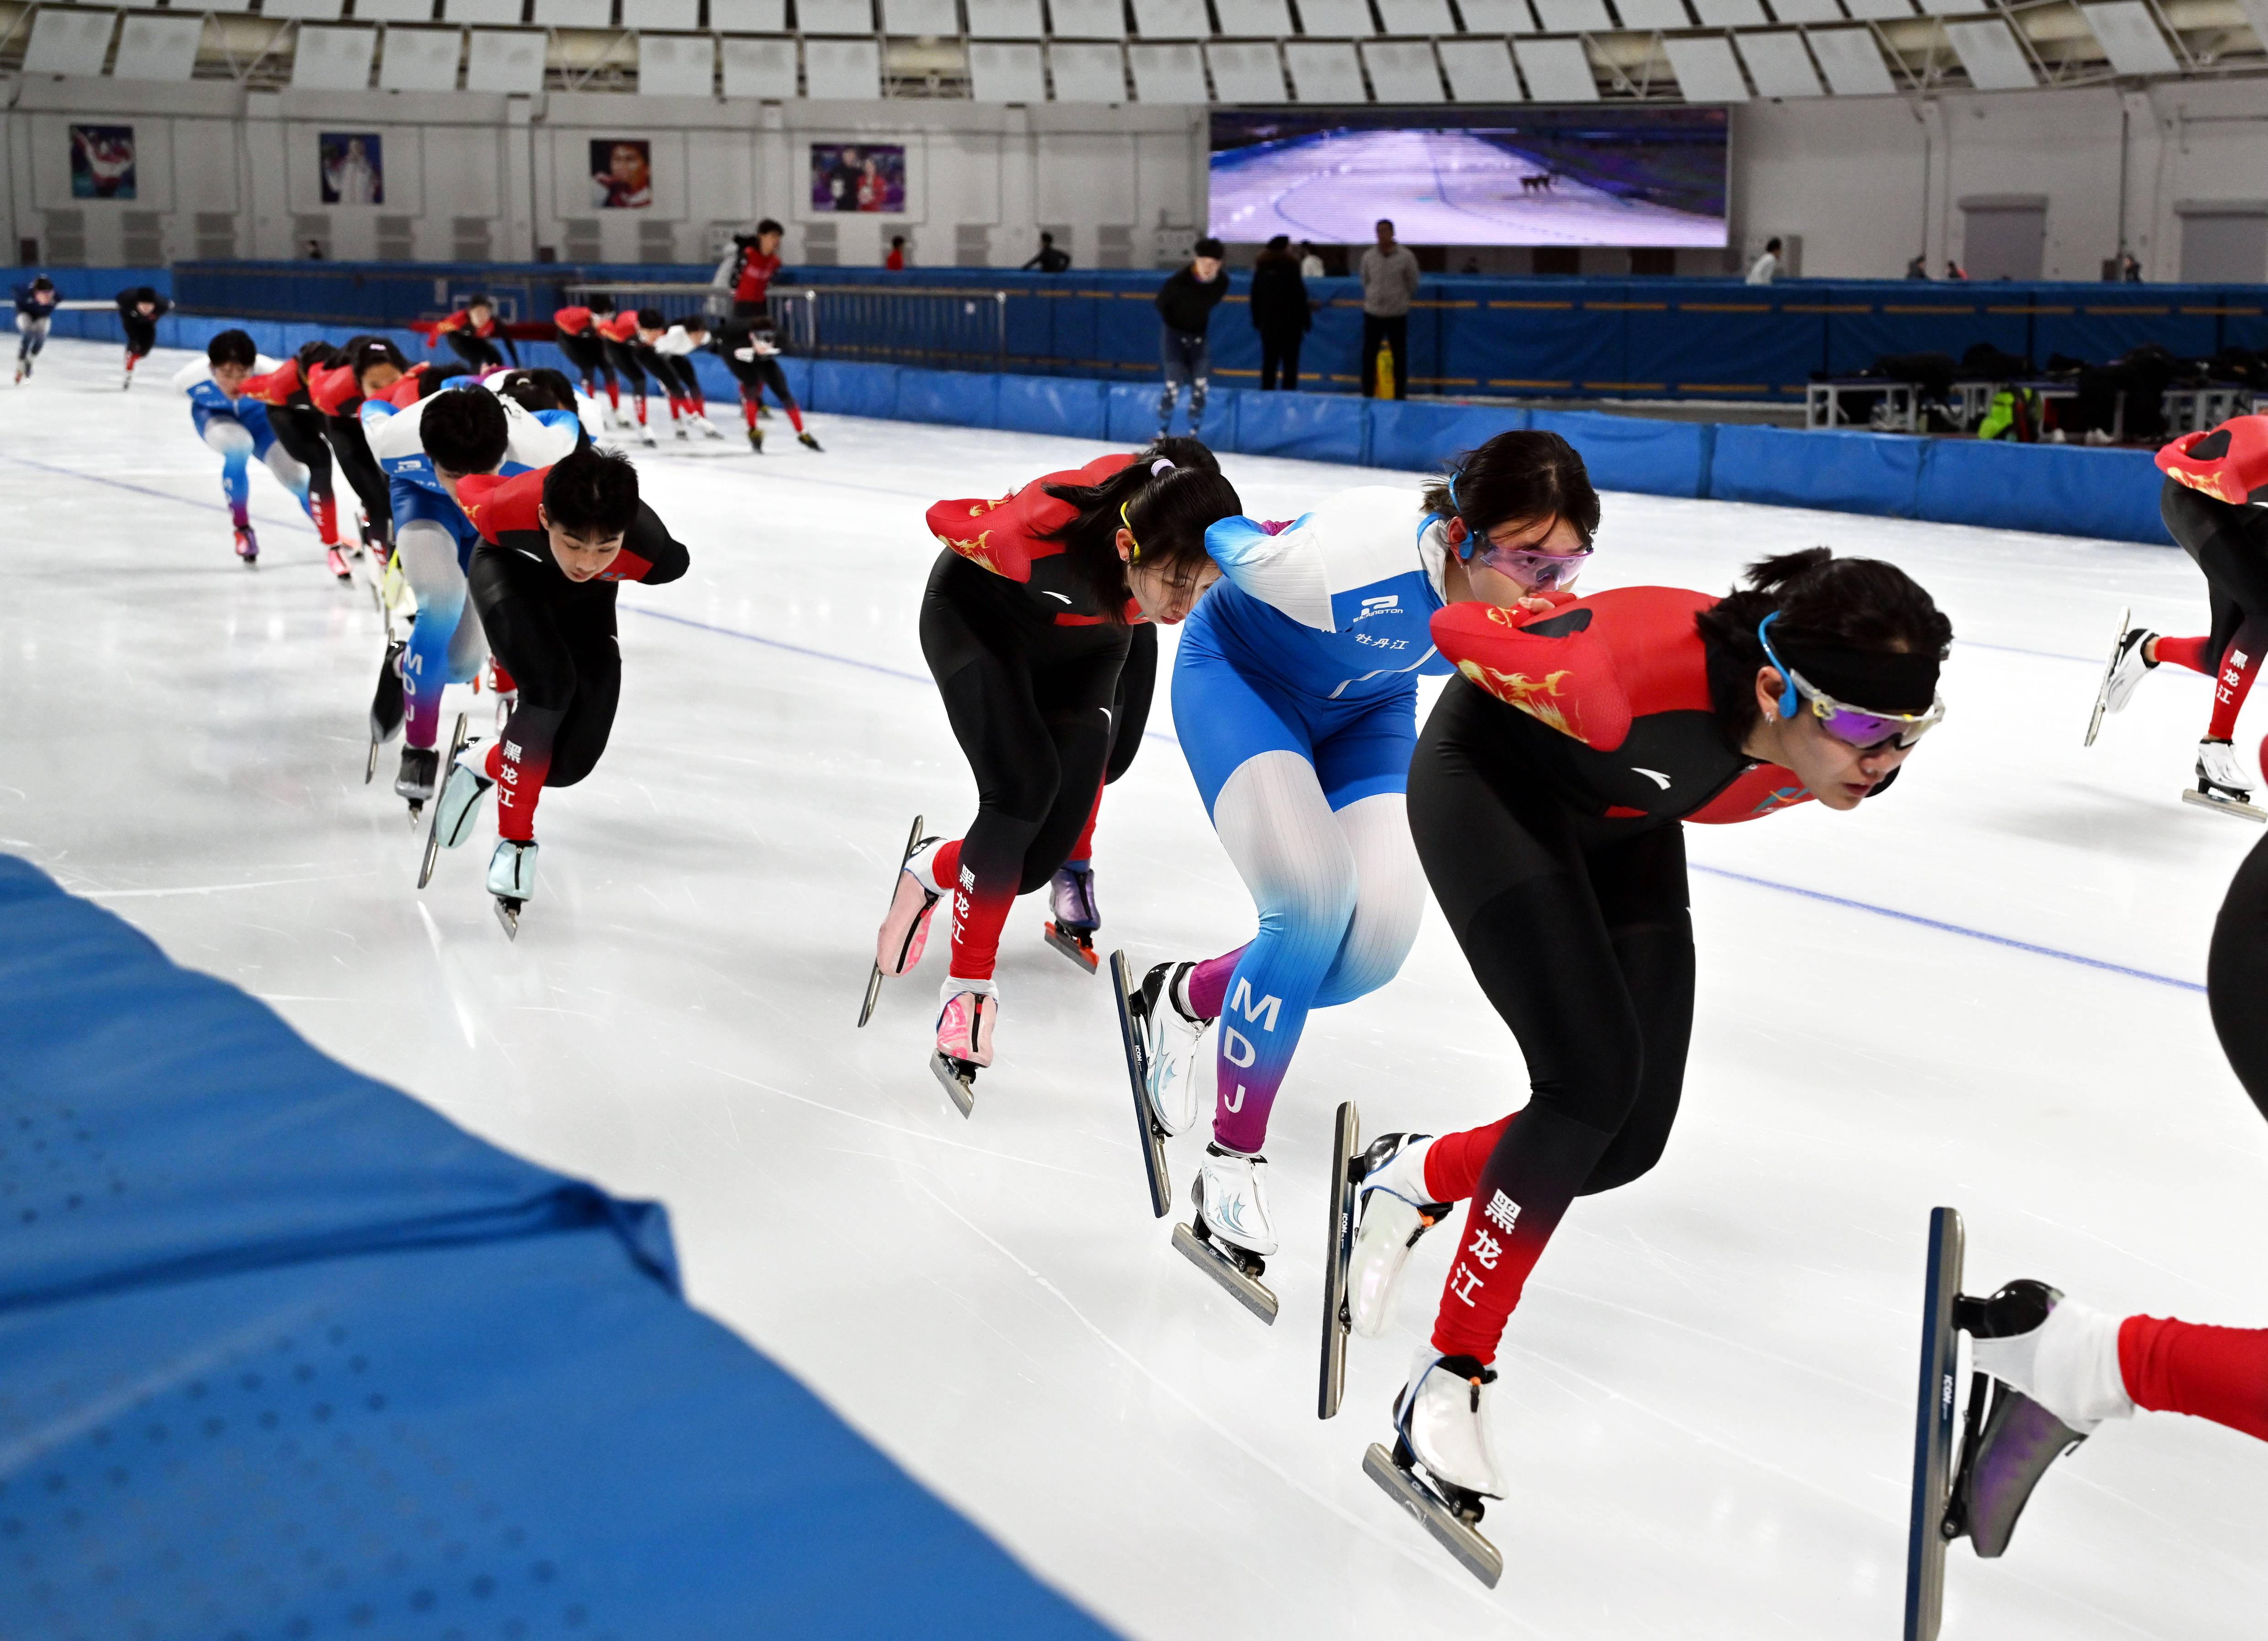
672, 301
942, 327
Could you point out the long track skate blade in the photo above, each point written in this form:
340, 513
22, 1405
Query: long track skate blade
1934, 1410
874, 980
1245, 1288
2102, 689
433, 831
960, 1089
1151, 1137
508, 914
1069, 943
1338, 1251
2225, 806
369, 767
1475, 1554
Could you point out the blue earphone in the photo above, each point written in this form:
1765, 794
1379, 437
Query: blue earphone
1790, 699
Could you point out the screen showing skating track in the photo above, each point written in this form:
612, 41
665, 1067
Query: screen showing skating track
1480, 176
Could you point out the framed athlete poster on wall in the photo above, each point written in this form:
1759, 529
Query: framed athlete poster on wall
861, 177
352, 167
102, 162
621, 174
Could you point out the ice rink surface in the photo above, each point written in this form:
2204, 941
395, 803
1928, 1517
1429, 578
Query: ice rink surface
1441, 187
1706, 1404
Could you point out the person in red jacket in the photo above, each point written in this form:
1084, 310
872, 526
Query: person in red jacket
1546, 799
2212, 500
585, 349
555, 544
472, 333
361, 367
756, 260
1025, 625
300, 429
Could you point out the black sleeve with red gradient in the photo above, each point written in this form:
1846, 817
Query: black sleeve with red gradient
507, 511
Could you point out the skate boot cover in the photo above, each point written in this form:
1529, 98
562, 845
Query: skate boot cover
905, 934
420, 766
512, 870
467, 784
1171, 1039
248, 544
1443, 1414
807, 441
2218, 774
964, 1028
2060, 1353
1071, 899
1395, 1212
1232, 1197
338, 563
2126, 668
756, 440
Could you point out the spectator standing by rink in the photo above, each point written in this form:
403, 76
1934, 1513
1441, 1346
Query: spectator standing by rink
1185, 304
749, 267
1311, 261
1049, 260
1389, 285
1280, 313
1918, 269
1769, 266
895, 261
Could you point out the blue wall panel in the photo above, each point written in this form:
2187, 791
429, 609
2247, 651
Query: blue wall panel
1631, 453
2060, 488
1315, 426
1070, 406
1420, 438
845, 389
1876, 473
956, 398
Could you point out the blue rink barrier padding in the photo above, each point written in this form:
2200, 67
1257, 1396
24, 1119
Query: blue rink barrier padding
2058, 489
285, 1353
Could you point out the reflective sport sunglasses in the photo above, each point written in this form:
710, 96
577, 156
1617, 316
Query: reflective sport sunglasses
1853, 726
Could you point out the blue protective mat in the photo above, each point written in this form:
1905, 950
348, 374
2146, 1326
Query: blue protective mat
284, 1353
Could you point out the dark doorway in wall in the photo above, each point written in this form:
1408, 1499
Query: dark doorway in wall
27, 253
2005, 236
1653, 261
1560, 261
1431, 258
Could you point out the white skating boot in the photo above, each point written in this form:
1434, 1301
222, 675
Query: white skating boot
964, 1038
709, 429
1231, 1200
512, 880
1395, 1212
1170, 1040
645, 436
1442, 1418
462, 793
2220, 782
904, 935
2128, 662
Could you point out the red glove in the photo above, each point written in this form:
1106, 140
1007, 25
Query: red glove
2230, 463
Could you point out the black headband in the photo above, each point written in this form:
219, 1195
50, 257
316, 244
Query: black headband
1890, 680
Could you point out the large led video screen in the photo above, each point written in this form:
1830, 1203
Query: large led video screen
1476, 176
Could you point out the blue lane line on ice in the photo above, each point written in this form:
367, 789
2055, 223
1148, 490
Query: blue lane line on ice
162, 495
1951, 928
821, 655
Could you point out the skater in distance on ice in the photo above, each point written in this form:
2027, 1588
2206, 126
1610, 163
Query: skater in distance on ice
236, 428
1295, 700
1548, 797
1027, 626
2207, 502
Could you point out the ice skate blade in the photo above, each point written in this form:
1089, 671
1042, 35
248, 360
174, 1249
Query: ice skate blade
433, 831
1152, 1137
960, 1084
1475, 1554
2102, 691
507, 910
1073, 943
874, 980
370, 768
1338, 1254
1247, 1289
2238, 808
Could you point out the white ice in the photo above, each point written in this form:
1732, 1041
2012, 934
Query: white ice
1707, 1407
1440, 188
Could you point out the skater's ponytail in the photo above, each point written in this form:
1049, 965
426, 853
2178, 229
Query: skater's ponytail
1859, 629
1165, 504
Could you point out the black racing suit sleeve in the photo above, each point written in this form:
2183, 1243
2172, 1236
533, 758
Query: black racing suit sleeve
2236, 975
651, 540
1137, 682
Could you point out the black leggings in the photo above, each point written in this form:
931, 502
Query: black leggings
2229, 544
477, 352
754, 375
1033, 706
1582, 939
2236, 975
563, 657
624, 358
588, 356
141, 336
351, 447
300, 430
678, 379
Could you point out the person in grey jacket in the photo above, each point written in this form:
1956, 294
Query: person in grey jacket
1389, 285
